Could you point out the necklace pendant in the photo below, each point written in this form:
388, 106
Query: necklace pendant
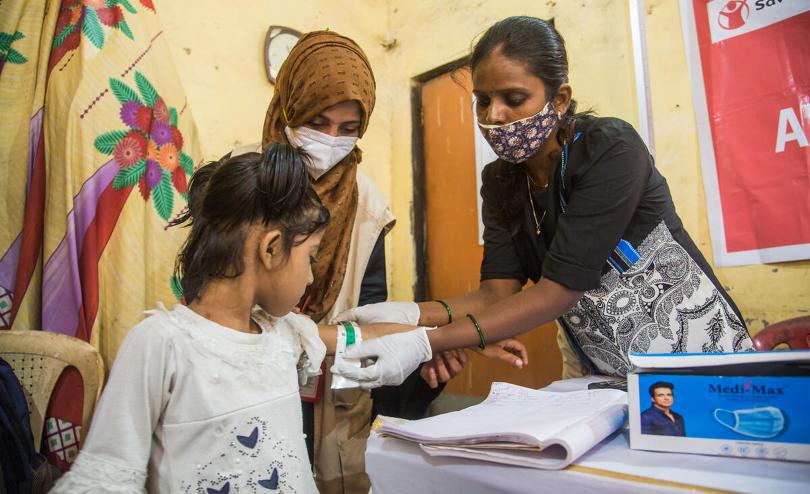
538, 231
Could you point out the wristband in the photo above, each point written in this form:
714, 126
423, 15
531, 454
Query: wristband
482, 342
353, 334
348, 334
447, 308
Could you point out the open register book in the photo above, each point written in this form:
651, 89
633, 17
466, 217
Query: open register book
518, 426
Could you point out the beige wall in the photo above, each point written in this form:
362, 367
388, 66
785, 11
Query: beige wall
217, 47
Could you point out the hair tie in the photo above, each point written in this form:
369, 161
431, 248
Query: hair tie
284, 116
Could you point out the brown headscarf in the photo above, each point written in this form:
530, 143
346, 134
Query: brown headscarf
322, 70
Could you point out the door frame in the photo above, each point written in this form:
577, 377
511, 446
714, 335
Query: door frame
418, 206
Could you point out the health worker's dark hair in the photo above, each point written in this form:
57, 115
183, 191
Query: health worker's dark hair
228, 196
537, 44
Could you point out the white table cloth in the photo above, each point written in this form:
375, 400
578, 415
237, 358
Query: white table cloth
396, 466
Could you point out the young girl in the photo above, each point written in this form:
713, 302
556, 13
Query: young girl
204, 398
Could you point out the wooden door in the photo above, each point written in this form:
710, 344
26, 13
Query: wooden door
453, 254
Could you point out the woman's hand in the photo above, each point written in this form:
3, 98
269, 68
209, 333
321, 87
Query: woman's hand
509, 350
399, 312
443, 367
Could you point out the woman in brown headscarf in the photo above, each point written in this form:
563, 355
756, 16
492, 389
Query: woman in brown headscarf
325, 94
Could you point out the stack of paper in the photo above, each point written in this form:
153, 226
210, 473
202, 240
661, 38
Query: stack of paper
519, 426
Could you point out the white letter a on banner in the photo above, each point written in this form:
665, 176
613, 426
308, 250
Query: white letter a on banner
788, 118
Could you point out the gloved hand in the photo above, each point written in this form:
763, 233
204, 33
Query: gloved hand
398, 355
401, 312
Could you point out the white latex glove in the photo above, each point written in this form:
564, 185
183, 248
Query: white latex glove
398, 355
400, 312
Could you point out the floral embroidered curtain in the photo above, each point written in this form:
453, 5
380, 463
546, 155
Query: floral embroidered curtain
96, 148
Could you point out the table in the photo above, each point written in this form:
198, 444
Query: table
396, 466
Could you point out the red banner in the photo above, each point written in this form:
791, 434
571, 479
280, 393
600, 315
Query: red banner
750, 69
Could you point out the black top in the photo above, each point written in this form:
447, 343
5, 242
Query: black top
374, 287
613, 191
655, 421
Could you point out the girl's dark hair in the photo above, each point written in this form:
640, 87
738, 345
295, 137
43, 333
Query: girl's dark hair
225, 197
538, 45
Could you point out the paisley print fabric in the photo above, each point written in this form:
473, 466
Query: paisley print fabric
663, 304
518, 141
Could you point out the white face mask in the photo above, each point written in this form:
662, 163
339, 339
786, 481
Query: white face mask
322, 150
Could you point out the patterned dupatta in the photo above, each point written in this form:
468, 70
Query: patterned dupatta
654, 298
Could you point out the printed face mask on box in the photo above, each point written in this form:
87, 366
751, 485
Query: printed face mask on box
762, 422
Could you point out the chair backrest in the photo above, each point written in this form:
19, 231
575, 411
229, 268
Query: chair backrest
795, 333
38, 359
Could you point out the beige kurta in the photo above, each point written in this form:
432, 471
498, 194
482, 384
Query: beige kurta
342, 417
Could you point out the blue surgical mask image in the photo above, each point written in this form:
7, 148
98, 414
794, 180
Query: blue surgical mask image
762, 422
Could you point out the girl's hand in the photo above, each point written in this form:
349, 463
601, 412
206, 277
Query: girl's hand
509, 350
379, 330
443, 367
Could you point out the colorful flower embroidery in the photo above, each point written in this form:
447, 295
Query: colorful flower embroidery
7, 53
89, 17
149, 153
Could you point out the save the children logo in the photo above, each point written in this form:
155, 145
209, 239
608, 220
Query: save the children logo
732, 18
733, 14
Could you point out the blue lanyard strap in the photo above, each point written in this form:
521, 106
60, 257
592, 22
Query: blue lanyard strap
563, 169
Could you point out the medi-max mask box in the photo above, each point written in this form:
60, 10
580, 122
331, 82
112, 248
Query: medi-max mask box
754, 405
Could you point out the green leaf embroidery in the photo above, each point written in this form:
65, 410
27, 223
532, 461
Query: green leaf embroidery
6, 51
129, 176
147, 90
186, 162
126, 5
60, 38
6, 39
163, 196
13, 56
123, 92
91, 27
173, 116
106, 142
177, 287
124, 27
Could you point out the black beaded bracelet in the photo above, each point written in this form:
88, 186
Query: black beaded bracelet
482, 342
447, 308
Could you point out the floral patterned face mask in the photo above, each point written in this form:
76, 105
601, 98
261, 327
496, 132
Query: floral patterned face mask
520, 140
